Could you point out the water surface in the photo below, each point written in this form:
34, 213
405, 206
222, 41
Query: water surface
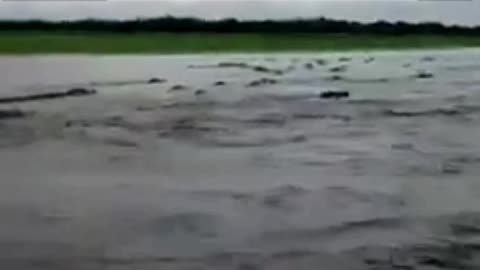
240, 177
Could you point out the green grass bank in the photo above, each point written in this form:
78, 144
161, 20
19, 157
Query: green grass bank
170, 43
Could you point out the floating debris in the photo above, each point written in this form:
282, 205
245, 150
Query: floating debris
267, 70
121, 142
257, 68
75, 92
427, 59
336, 78
188, 127
321, 62
232, 64
262, 81
80, 92
451, 168
309, 66
424, 75
280, 72
430, 112
156, 80
298, 138
200, 92
344, 59
373, 80
81, 123
334, 94
260, 69
14, 113
341, 68
219, 83
178, 87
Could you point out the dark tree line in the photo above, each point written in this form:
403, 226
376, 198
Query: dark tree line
184, 25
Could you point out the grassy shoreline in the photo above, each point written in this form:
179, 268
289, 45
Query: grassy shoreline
173, 43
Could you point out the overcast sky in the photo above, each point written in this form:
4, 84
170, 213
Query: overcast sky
446, 11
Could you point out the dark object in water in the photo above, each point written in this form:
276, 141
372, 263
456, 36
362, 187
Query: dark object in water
407, 65
9, 114
68, 123
344, 59
260, 69
321, 62
262, 81
309, 66
367, 80
336, 78
298, 138
200, 92
424, 75
75, 92
267, 70
451, 168
79, 92
278, 72
232, 64
156, 80
403, 146
428, 59
341, 68
178, 87
247, 66
219, 83
369, 60
430, 112
335, 94
82, 123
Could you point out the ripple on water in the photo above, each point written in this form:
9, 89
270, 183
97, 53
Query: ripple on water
404, 139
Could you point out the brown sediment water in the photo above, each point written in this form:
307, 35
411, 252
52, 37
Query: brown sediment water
238, 177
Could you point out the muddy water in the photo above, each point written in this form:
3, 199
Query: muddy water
242, 175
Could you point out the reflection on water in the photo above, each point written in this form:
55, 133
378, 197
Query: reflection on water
241, 175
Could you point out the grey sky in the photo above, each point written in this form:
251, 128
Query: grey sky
447, 11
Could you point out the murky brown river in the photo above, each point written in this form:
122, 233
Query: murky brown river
235, 162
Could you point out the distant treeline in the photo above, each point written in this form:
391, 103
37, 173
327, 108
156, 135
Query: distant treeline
183, 25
